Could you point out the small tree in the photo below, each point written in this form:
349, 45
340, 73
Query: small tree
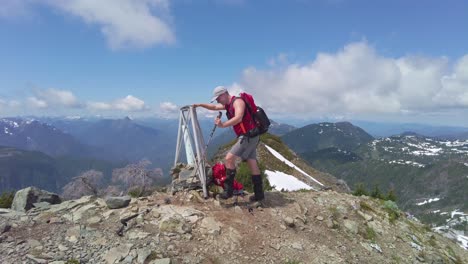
111, 190
391, 196
6, 199
135, 178
376, 193
87, 183
360, 190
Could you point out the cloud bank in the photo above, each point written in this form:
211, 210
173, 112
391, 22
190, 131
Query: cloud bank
358, 80
124, 23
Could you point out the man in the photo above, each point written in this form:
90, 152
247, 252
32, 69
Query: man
245, 148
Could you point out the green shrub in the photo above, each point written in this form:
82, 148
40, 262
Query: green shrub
376, 193
392, 209
244, 176
391, 196
277, 144
368, 233
366, 206
360, 190
6, 199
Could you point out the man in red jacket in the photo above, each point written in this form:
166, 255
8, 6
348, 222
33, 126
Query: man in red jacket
245, 147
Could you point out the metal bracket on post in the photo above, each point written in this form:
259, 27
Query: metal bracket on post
194, 143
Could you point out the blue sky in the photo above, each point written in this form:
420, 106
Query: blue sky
403, 61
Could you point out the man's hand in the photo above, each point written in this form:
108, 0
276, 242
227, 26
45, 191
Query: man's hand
218, 122
196, 105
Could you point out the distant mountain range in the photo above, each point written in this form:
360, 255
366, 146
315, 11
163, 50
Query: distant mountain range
22, 168
35, 135
417, 167
326, 135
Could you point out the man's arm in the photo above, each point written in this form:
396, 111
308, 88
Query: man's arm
210, 106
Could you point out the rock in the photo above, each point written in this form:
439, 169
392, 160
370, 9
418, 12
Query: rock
174, 224
77, 214
94, 220
161, 261
210, 226
376, 226
25, 198
36, 260
117, 253
365, 216
297, 246
289, 221
196, 195
137, 235
351, 226
62, 248
416, 246
376, 247
114, 202
4, 227
143, 255
319, 217
275, 246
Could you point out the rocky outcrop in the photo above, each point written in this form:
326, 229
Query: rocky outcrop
117, 202
31, 197
298, 227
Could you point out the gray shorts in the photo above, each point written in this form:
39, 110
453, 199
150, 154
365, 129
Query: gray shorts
245, 148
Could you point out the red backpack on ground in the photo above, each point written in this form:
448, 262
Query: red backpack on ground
219, 176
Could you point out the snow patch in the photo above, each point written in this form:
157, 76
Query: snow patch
407, 162
290, 164
283, 181
456, 212
463, 241
7, 132
428, 201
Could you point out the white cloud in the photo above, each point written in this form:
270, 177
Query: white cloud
99, 106
9, 103
358, 80
129, 104
36, 102
168, 107
58, 97
125, 23
14, 103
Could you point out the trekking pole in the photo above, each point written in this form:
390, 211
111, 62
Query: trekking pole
212, 132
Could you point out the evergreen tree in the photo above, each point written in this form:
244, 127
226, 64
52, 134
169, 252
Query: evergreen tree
360, 190
376, 193
391, 196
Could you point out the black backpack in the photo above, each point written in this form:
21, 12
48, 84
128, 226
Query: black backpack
262, 122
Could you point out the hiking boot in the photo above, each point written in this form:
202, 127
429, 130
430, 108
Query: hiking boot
258, 189
228, 185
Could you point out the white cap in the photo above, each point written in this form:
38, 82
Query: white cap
219, 90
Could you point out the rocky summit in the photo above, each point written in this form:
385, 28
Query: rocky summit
288, 227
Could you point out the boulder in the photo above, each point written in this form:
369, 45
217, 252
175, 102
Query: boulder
26, 198
118, 202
